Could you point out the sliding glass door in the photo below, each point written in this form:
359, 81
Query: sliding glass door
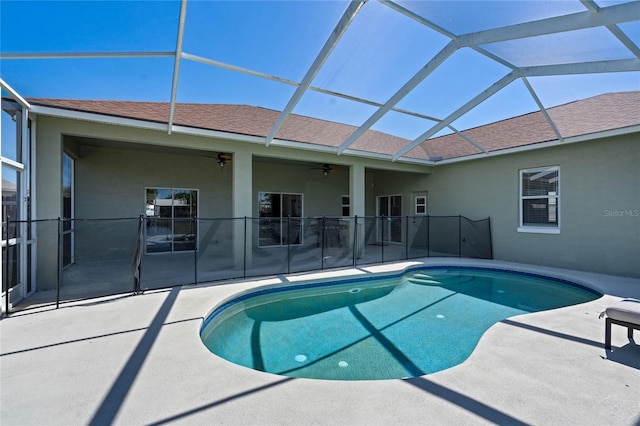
280, 219
17, 239
170, 226
389, 218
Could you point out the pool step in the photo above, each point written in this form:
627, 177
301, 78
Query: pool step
424, 279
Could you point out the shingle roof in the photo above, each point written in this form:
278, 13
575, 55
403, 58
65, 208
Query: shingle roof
237, 119
593, 115
601, 113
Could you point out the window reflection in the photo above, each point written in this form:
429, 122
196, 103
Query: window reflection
280, 219
11, 130
170, 226
539, 196
10, 244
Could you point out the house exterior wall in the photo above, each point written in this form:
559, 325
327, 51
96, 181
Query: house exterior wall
599, 204
397, 183
110, 181
599, 189
48, 189
322, 195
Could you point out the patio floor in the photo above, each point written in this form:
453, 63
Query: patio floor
139, 360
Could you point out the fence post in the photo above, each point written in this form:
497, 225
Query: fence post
244, 258
5, 273
490, 241
382, 241
60, 262
355, 239
195, 249
428, 236
322, 246
459, 235
137, 272
288, 244
406, 243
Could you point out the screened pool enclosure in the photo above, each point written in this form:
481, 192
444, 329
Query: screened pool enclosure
402, 87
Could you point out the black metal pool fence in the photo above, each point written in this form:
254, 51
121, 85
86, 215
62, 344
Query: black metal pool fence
77, 259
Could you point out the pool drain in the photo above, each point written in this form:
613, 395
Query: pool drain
355, 290
343, 364
301, 358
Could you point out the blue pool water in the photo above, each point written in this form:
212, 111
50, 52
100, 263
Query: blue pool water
407, 325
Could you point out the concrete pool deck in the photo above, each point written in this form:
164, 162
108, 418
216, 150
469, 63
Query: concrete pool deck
139, 360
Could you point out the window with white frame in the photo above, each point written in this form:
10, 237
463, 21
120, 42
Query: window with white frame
170, 225
540, 200
420, 205
280, 219
346, 206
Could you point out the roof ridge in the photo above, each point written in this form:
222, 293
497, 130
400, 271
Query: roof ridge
590, 98
539, 111
140, 102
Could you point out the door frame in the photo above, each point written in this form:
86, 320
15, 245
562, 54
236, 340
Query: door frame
25, 200
388, 220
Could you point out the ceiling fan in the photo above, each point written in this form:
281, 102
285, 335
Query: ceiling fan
223, 159
326, 169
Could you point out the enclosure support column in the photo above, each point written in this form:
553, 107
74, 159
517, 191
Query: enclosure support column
357, 200
5, 272
60, 261
242, 206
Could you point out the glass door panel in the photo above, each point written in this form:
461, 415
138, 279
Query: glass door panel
270, 224
159, 237
389, 228
381, 221
67, 210
170, 226
291, 213
11, 238
184, 210
280, 219
395, 219
16, 177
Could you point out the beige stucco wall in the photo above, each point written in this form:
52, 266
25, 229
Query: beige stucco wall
598, 179
397, 183
110, 179
322, 196
110, 183
48, 184
137, 162
600, 188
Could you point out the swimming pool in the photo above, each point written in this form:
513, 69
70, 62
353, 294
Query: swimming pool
379, 327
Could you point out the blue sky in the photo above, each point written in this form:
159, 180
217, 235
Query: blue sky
379, 52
